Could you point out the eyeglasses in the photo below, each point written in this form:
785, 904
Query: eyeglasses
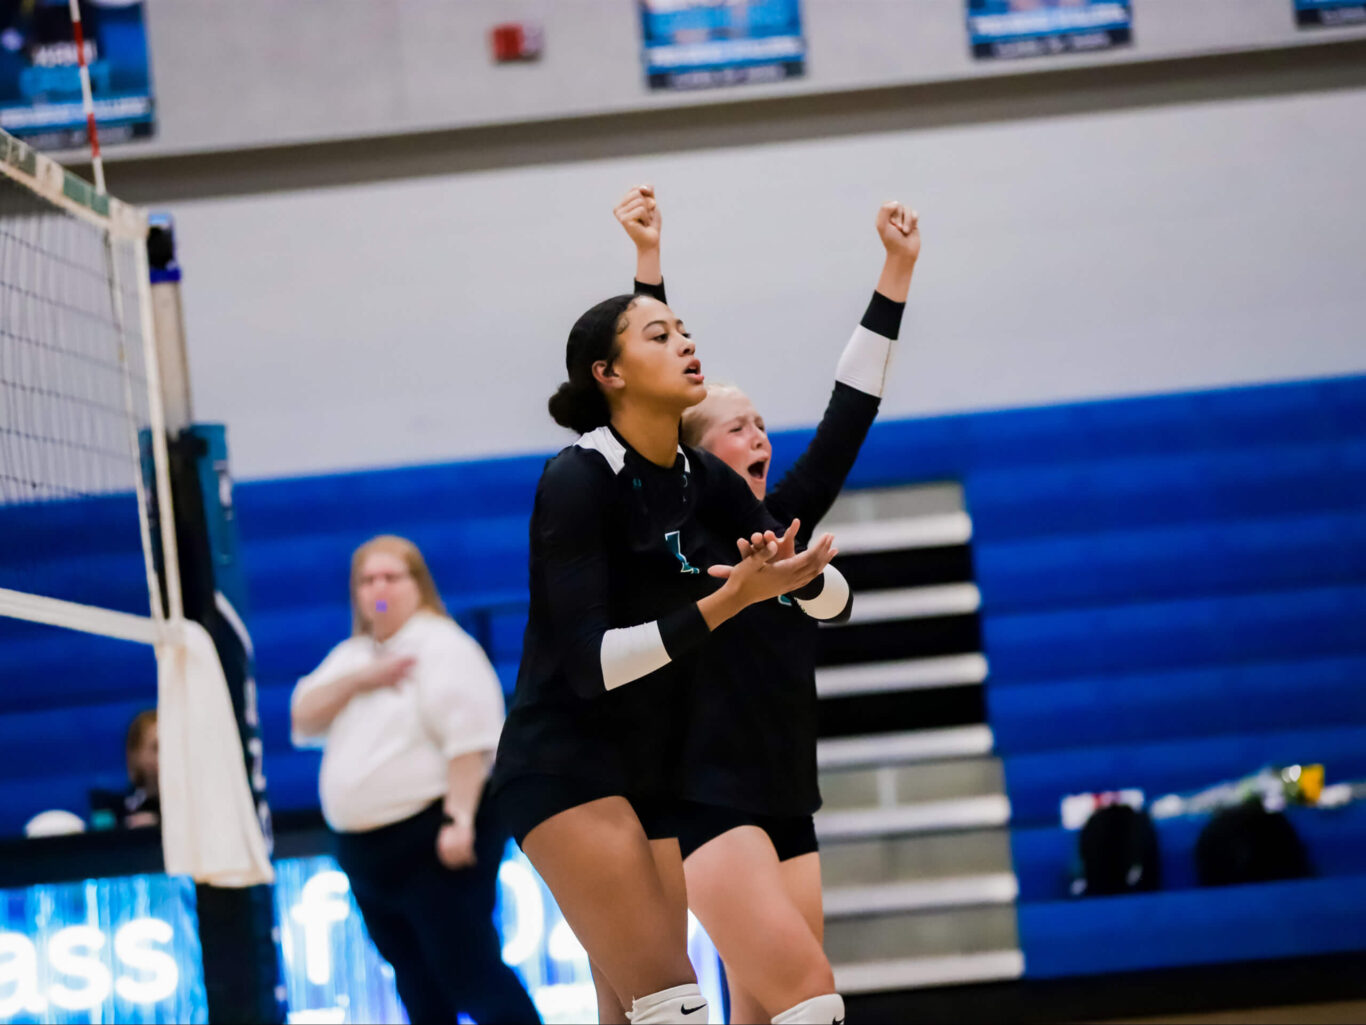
387, 578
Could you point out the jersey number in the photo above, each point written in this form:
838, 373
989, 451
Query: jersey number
675, 541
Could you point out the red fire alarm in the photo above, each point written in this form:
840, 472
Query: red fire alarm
516, 41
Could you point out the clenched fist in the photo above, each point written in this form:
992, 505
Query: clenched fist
899, 230
639, 214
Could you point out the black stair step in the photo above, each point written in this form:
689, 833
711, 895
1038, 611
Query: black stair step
908, 567
896, 711
928, 637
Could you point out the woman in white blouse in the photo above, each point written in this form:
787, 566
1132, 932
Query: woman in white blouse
408, 711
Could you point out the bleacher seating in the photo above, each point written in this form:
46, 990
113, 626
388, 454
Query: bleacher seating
1173, 592
1131, 708
1038, 781
1192, 927
1334, 838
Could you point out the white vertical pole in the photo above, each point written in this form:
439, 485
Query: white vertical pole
160, 456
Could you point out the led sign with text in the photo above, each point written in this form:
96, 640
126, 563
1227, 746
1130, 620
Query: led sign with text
127, 950
102, 950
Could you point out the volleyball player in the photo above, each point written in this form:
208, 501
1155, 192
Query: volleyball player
632, 540
748, 770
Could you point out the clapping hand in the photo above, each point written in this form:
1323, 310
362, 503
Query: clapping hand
770, 566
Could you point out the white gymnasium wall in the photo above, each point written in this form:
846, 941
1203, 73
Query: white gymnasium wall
1067, 257
242, 73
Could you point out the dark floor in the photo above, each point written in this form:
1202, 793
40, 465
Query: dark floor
1349, 1011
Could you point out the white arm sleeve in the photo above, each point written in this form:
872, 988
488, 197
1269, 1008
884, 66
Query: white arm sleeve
864, 362
833, 598
630, 652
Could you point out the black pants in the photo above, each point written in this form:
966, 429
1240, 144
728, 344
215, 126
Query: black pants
434, 925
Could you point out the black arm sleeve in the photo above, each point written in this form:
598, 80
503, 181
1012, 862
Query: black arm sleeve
814, 481
654, 291
573, 548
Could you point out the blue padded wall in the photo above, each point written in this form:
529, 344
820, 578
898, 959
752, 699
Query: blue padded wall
82, 548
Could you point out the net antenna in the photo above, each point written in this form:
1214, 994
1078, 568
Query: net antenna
156, 401
82, 419
87, 97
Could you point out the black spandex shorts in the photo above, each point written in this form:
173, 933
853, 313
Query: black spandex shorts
792, 835
527, 801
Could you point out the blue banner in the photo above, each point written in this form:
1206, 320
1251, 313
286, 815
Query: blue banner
1035, 28
697, 44
1329, 13
127, 950
40, 86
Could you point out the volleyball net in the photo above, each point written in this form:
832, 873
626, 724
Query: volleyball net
86, 526
87, 529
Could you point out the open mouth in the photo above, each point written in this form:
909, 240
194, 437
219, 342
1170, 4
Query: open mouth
693, 371
757, 469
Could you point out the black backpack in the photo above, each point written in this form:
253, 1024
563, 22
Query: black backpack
1118, 848
1248, 844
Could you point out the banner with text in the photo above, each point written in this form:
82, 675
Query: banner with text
696, 44
1329, 13
1036, 28
40, 85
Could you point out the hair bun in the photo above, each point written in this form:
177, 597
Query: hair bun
579, 409
579, 403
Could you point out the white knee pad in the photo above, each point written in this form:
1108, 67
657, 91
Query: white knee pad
682, 1005
827, 1009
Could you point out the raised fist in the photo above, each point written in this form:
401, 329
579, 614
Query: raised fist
639, 214
899, 230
